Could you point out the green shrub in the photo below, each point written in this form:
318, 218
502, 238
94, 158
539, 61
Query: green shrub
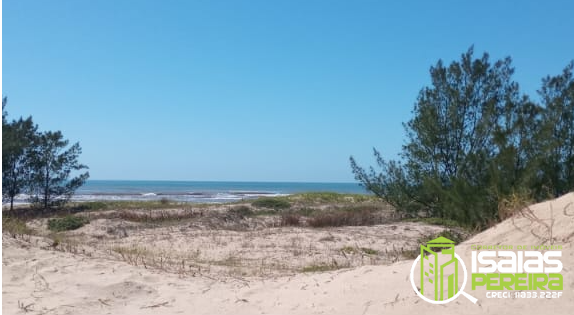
271, 203
67, 223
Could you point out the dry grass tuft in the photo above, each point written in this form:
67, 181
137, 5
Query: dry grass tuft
16, 227
346, 218
290, 219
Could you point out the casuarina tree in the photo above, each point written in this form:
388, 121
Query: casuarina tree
468, 129
53, 163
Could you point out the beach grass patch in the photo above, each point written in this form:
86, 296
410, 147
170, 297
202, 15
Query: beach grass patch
358, 250
349, 250
346, 218
320, 268
311, 198
271, 203
369, 251
67, 223
15, 227
290, 219
241, 211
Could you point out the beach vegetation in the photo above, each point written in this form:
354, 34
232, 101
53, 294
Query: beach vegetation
314, 198
350, 250
555, 138
474, 140
40, 164
369, 251
17, 144
67, 223
271, 203
242, 211
52, 164
290, 219
306, 211
15, 227
320, 268
157, 215
128, 205
333, 218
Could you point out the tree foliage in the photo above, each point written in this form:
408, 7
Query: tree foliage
557, 134
38, 164
474, 139
17, 139
52, 163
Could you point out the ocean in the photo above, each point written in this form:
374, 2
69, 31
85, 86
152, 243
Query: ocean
201, 191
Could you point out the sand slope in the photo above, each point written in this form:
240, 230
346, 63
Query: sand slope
61, 283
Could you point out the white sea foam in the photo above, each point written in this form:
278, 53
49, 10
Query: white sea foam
198, 192
197, 196
209, 197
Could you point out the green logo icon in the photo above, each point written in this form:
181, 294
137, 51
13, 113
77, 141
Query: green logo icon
439, 273
433, 272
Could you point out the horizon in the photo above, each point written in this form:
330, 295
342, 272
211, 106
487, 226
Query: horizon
253, 92
218, 181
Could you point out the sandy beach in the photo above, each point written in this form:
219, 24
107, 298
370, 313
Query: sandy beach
287, 157
38, 279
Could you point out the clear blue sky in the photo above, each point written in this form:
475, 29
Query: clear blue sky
253, 90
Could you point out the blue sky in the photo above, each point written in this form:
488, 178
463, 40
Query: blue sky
253, 90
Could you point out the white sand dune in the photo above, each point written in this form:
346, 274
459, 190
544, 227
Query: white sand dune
59, 283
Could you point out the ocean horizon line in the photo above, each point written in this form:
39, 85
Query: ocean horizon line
223, 181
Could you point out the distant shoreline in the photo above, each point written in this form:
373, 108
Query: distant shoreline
197, 191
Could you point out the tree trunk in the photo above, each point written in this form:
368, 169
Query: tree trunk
46, 189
